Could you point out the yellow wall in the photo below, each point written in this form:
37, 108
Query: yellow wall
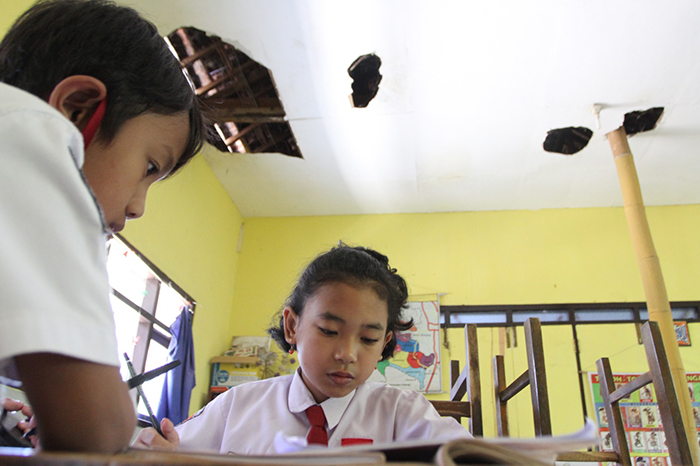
10, 11
507, 257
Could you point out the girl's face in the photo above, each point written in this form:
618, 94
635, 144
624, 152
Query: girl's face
340, 337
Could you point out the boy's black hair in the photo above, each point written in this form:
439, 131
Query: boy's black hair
355, 266
56, 39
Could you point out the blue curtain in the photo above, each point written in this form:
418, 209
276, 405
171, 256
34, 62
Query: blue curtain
179, 382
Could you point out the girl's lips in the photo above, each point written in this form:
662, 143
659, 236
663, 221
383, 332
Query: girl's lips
341, 378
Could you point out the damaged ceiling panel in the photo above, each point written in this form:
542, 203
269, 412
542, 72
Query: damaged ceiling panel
642, 120
239, 93
364, 72
567, 141
468, 91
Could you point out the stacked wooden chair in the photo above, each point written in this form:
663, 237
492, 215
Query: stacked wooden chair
659, 375
534, 377
465, 382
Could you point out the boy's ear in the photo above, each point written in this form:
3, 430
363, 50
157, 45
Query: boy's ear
77, 97
291, 320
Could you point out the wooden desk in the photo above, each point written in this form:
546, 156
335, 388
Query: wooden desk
396, 454
26, 457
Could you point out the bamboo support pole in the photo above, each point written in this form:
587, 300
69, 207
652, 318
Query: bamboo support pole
652, 279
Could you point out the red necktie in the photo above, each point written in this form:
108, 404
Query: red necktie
317, 433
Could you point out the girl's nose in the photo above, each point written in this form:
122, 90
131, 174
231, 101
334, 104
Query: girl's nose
345, 352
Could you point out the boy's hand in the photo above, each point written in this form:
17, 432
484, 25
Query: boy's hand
87, 407
15, 405
149, 439
8, 404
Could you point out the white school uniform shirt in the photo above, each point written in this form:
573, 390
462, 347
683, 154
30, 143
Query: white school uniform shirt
53, 276
245, 419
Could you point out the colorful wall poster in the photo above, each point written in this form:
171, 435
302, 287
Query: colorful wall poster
642, 420
416, 362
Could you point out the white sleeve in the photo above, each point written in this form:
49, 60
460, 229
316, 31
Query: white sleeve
417, 419
53, 277
204, 430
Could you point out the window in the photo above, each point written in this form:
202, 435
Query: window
506, 316
145, 304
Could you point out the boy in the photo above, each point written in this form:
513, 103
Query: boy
69, 67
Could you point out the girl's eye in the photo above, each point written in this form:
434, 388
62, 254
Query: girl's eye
325, 331
152, 169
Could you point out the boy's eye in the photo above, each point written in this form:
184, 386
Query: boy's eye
152, 169
370, 341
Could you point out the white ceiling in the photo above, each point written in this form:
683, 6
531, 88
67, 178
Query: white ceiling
469, 91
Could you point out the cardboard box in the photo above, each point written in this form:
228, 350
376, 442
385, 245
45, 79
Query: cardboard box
229, 371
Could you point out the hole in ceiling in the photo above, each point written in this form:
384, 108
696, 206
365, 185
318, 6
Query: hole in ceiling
567, 141
238, 93
642, 120
364, 72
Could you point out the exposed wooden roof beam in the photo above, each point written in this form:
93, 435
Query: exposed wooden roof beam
199, 54
230, 140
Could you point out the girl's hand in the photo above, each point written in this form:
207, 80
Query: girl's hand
149, 439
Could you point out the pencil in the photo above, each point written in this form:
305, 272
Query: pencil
154, 421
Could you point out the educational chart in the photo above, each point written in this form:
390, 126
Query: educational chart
416, 361
640, 415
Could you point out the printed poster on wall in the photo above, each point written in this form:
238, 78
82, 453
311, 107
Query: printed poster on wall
640, 415
416, 362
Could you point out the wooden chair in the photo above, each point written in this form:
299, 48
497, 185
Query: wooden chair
465, 382
659, 375
534, 376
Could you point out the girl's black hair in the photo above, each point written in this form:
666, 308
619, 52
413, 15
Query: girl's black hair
60, 38
355, 266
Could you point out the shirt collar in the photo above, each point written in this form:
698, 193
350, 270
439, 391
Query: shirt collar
301, 398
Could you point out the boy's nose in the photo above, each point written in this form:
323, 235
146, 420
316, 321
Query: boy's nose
136, 206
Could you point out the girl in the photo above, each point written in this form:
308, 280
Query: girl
341, 318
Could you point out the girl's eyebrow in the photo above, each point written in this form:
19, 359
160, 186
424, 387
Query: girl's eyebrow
332, 317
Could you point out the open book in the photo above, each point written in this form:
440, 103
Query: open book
531, 451
512, 451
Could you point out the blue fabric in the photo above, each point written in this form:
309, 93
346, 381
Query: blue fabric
179, 382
